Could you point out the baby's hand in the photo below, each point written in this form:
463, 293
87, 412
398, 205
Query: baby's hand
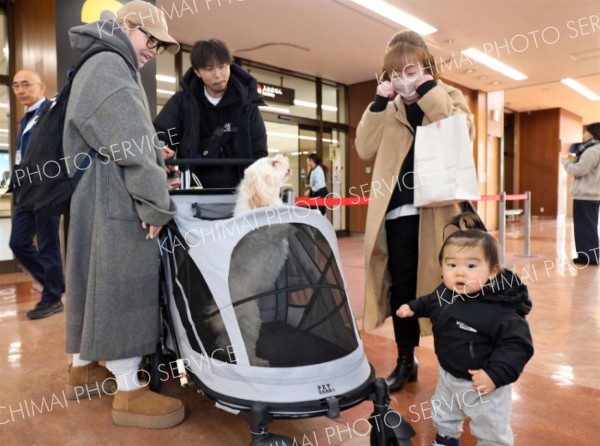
405, 311
482, 382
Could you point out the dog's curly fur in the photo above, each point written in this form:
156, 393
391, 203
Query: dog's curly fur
262, 184
260, 256
256, 264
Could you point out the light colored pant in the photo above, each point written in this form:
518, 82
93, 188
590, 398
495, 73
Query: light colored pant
455, 399
125, 371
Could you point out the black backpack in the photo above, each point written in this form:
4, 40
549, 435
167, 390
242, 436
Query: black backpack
42, 182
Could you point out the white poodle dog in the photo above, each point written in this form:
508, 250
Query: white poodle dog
259, 257
256, 263
262, 184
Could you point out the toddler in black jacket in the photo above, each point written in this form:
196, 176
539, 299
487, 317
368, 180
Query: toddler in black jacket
481, 337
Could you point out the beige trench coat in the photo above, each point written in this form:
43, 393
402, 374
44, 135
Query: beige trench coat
386, 138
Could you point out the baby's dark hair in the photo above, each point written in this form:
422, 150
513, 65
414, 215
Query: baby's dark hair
471, 233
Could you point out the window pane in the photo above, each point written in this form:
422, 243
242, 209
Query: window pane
6, 141
305, 95
166, 82
3, 45
334, 103
185, 63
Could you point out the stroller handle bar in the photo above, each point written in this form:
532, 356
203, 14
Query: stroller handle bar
209, 162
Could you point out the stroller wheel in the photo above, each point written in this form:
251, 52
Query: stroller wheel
388, 427
155, 361
377, 441
383, 434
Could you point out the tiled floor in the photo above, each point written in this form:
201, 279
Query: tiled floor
555, 402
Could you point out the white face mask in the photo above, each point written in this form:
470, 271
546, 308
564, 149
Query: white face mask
405, 86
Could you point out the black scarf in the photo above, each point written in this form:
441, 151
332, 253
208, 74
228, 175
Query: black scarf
584, 146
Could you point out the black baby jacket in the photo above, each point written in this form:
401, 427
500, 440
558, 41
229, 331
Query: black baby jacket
484, 330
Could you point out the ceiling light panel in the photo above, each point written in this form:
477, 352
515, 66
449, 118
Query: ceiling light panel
572, 83
494, 64
394, 14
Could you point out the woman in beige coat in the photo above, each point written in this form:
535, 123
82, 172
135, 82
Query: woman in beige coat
402, 242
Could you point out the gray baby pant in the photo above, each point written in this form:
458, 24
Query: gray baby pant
455, 399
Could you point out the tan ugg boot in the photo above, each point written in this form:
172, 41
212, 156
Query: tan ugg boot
147, 409
89, 380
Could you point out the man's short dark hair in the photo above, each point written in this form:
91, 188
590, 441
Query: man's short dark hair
316, 159
208, 53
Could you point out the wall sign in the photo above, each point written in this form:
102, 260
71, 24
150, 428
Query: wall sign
273, 93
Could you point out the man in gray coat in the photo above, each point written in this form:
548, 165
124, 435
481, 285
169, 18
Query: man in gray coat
117, 211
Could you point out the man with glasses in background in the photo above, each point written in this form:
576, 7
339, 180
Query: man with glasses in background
44, 260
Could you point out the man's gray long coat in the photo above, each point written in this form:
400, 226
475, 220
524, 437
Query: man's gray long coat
112, 270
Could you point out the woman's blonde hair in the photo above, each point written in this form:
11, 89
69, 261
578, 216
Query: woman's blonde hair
406, 48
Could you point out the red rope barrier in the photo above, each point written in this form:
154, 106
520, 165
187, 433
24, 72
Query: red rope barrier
517, 197
490, 198
513, 197
331, 202
358, 201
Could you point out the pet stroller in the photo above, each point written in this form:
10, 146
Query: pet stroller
255, 312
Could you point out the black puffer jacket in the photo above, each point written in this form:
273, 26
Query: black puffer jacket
485, 330
234, 128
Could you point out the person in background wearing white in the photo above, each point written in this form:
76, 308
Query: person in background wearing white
316, 187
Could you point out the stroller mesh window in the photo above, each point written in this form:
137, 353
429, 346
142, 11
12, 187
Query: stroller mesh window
206, 320
289, 297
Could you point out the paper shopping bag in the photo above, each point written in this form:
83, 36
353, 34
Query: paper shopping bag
444, 167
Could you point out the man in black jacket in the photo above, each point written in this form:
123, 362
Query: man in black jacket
42, 260
214, 116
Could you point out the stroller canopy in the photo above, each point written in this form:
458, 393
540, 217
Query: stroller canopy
259, 304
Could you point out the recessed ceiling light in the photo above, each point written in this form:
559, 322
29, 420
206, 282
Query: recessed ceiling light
449, 41
591, 54
483, 77
495, 82
469, 71
580, 89
494, 64
394, 14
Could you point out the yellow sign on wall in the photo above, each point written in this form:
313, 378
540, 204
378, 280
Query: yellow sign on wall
92, 9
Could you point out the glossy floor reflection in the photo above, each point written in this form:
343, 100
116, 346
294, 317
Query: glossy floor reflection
556, 401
